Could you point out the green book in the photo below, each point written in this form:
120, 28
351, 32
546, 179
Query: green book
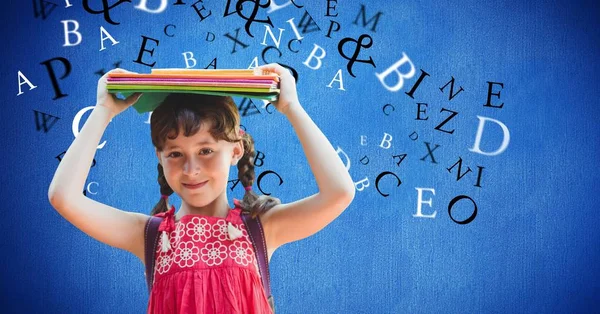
151, 98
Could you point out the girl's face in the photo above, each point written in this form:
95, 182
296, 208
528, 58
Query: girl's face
197, 159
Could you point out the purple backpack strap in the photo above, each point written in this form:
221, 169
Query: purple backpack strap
257, 236
150, 241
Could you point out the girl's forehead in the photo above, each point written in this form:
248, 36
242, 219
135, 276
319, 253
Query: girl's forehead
200, 137
201, 133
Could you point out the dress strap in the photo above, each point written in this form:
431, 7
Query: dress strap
166, 226
237, 203
232, 230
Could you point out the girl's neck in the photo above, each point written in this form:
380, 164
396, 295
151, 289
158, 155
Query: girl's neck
215, 209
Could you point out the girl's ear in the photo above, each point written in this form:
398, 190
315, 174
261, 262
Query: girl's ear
238, 152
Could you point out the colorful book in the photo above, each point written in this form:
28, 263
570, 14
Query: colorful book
158, 84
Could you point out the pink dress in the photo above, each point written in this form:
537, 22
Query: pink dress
210, 267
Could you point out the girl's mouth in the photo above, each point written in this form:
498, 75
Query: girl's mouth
197, 186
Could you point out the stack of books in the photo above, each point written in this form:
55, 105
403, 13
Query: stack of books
157, 85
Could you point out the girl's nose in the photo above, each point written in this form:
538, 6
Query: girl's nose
191, 167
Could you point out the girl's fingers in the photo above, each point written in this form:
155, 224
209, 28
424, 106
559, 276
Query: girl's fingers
272, 67
118, 70
133, 98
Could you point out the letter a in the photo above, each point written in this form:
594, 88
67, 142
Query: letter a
102, 39
338, 78
26, 81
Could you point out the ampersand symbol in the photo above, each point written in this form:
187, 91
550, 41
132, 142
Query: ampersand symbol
106, 9
359, 45
251, 18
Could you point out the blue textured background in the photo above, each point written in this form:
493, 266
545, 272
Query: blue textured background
532, 248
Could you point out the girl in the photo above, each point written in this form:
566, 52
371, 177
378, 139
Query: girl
204, 261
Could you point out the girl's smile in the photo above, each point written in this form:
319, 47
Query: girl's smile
194, 186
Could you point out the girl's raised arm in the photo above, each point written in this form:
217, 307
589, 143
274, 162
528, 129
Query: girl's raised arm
285, 223
109, 225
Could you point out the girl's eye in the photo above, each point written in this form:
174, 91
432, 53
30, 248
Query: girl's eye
171, 154
206, 150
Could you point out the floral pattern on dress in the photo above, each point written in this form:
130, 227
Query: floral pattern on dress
244, 232
199, 229
214, 253
163, 263
176, 235
220, 230
216, 249
241, 252
186, 254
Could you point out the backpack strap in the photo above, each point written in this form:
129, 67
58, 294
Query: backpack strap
257, 236
150, 241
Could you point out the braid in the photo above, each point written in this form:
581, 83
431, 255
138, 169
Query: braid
252, 202
246, 163
165, 189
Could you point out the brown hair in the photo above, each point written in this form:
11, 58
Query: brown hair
186, 112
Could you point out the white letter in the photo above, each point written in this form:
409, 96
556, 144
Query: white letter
191, 57
386, 140
75, 125
254, 63
67, 43
312, 54
21, 76
88, 187
68, 4
291, 21
394, 68
420, 201
102, 39
142, 5
270, 31
363, 140
274, 7
338, 151
149, 117
362, 184
338, 73
505, 139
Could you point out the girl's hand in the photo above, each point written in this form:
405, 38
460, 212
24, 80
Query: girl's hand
109, 100
287, 87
